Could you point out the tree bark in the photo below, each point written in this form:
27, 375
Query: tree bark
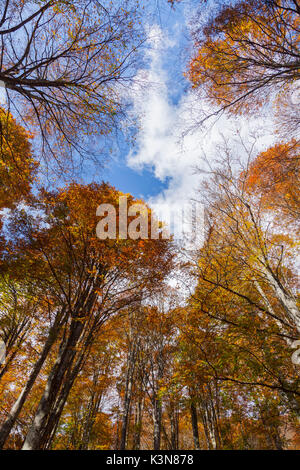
286, 299
55, 414
63, 363
18, 405
194, 420
138, 424
174, 427
157, 424
128, 395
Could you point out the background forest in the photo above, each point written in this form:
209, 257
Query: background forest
141, 344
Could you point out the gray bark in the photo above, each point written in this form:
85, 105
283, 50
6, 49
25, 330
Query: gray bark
128, 395
157, 414
138, 424
63, 363
286, 299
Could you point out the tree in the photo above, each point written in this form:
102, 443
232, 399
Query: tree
247, 52
238, 233
274, 176
246, 273
233, 368
65, 65
146, 399
86, 279
85, 424
17, 165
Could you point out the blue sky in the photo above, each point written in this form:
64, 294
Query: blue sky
160, 167
142, 182
168, 146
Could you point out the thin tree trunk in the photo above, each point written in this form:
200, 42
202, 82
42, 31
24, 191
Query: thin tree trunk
174, 427
127, 396
157, 424
138, 424
194, 420
89, 422
207, 425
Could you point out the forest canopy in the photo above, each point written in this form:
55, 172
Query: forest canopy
136, 343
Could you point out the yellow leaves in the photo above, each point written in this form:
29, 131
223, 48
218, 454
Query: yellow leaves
274, 175
81, 319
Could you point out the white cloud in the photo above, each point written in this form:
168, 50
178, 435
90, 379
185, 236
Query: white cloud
163, 142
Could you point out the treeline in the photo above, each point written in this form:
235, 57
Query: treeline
101, 353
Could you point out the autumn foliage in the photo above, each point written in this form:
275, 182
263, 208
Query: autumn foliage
134, 344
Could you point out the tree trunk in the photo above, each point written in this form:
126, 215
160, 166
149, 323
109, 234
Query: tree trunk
138, 424
55, 414
63, 363
287, 300
127, 396
18, 405
157, 424
174, 427
89, 421
210, 426
194, 420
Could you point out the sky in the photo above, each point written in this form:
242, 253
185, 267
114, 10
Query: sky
160, 167
167, 40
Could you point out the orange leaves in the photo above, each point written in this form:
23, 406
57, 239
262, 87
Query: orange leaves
17, 167
61, 247
242, 51
274, 175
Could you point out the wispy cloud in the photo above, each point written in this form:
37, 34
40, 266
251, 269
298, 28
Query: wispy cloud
164, 143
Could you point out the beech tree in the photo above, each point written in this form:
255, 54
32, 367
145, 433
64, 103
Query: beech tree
101, 351
248, 240
246, 53
66, 66
86, 279
225, 361
17, 164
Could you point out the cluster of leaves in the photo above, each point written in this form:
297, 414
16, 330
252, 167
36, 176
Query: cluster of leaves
247, 54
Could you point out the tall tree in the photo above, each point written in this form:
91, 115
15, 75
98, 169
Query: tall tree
87, 279
246, 53
17, 164
65, 66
